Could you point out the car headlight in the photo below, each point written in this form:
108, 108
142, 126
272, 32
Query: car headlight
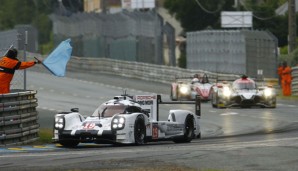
59, 122
268, 92
118, 123
227, 91
184, 89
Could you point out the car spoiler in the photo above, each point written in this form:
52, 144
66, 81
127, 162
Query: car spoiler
225, 78
186, 77
197, 104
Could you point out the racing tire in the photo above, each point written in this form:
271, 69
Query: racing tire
188, 131
69, 143
273, 105
172, 98
214, 98
140, 130
199, 136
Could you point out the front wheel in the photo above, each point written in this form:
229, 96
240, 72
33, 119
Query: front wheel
214, 100
140, 130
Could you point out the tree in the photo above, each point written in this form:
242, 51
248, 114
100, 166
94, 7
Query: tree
34, 12
198, 14
264, 18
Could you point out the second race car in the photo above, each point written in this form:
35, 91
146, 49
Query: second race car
243, 92
186, 88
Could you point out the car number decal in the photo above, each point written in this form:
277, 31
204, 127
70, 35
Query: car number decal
154, 131
89, 125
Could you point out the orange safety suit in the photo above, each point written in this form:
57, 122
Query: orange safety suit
7, 69
286, 81
279, 72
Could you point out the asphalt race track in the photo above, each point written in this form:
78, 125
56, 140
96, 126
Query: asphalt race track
232, 139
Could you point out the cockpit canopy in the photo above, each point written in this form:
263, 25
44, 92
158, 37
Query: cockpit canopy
205, 79
244, 84
108, 110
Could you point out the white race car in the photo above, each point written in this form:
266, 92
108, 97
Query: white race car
243, 92
127, 120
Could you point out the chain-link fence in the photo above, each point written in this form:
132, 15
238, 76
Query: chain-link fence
129, 36
233, 52
16, 38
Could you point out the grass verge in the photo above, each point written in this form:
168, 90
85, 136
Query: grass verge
45, 136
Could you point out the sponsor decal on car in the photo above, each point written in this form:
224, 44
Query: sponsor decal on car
154, 130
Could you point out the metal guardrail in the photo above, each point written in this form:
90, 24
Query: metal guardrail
145, 71
18, 118
139, 70
295, 81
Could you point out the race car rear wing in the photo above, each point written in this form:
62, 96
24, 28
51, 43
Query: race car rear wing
152, 102
225, 78
197, 103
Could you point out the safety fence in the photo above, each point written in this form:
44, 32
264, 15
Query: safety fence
295, 81
18, 118
131, 36
233, 51
16, 38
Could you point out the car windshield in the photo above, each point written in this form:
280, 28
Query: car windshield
245, 85
108, 110
205, 79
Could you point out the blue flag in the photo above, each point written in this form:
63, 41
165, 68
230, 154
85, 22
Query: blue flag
56, 62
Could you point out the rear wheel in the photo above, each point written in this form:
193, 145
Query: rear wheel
140, 130
172, 95
188, 131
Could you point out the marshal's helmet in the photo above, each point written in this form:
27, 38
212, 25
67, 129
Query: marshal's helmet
12, 53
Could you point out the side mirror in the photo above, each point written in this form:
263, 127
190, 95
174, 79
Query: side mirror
74, 109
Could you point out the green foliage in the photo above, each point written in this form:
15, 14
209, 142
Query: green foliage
34, 12
46, 48
284, 50
45, 135
291, 59
294, 57
192, 17
182, 60
265, 18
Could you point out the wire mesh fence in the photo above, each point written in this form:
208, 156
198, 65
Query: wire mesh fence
131, 36
9, 38
232, 51
16, 38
